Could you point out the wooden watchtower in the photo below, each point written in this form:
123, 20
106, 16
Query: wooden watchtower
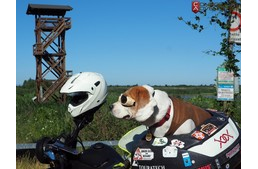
49, 50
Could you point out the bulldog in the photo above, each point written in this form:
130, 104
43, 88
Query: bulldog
163, 115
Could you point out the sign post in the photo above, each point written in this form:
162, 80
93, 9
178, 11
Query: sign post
225, 85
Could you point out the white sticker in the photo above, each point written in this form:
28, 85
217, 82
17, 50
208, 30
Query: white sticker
160, 141
169, 152
135, 164
177, 143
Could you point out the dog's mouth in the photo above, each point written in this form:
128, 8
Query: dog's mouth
127, 117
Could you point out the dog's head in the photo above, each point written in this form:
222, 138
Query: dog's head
136, 103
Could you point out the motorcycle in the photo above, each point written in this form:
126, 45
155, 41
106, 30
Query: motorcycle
214, 144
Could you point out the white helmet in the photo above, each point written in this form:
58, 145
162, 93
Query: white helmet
87, 89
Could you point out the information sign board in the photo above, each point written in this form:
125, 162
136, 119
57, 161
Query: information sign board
225, 85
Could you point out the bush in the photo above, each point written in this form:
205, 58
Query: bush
205, 102
231, 108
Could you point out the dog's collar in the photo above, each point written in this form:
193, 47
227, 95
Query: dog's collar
163, 120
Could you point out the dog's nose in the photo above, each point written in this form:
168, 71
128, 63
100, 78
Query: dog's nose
111, 107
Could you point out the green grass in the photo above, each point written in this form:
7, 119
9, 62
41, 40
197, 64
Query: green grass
34, 121
26, 162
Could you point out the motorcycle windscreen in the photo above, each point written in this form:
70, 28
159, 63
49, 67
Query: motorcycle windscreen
130, 139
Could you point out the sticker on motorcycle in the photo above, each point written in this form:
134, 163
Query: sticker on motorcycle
177, 143
208, 129
198, 135
152, 166
169, 152
218, 163
187, 160
143, 154
221, 118
233, 152
224, 138
137, 155
160, 141
205, 167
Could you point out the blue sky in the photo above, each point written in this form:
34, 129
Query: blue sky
128, 41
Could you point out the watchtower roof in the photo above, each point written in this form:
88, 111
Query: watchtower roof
43, 9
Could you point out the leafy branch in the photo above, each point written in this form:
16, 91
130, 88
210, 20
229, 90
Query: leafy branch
220, 15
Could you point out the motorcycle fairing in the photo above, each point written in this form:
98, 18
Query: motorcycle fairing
218, 142
127, 142
220, 147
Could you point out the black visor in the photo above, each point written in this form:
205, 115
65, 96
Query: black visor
78, 98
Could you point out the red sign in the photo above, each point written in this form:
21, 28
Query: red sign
224, 138
236, 21
235, 27
195, 6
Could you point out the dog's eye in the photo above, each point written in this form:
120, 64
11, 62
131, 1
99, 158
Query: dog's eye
127, 101
123, 99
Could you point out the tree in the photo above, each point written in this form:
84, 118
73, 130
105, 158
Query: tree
219, 13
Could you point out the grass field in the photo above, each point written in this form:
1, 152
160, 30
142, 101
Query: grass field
34, 121
26, 162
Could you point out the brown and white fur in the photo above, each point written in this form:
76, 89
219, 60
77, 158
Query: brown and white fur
149, 107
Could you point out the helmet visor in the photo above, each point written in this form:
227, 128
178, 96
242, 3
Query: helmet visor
78, 98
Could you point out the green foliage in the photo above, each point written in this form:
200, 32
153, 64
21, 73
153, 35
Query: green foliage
231, 108
36, 120
219, 14
182, 90
41, 120
205, 102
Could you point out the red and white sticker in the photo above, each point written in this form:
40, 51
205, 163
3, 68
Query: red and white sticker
143, 154
177, 143
198, 135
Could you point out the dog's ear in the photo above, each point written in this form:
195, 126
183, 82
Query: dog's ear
150, 89
145, 112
